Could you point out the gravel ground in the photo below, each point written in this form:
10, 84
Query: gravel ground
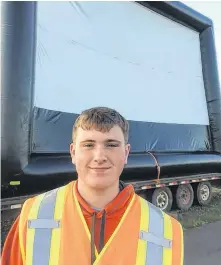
195, 217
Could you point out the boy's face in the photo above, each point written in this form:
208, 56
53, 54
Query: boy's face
99, 157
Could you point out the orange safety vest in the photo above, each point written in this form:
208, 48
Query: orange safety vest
144, 236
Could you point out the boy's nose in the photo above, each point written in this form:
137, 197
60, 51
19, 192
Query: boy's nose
99, 156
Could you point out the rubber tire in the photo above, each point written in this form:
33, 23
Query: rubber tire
198, 196
169, 194
180, 205
146, 194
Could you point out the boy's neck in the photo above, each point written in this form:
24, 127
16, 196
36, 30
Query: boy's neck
97, 199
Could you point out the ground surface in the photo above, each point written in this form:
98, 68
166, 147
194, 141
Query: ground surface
203, 245
202, 233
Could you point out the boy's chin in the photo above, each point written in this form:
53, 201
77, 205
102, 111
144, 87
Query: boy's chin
99, 183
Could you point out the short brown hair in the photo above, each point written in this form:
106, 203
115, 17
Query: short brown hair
102, 119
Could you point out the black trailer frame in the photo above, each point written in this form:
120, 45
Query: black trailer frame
18, 58
13, 203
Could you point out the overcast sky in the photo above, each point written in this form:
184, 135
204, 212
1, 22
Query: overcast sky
211, 9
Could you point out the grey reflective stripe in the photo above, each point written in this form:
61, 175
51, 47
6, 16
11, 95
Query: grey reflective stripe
42, 239
43, 223
166, 243
154, 253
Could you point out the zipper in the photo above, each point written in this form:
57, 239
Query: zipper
93, 256
102, 233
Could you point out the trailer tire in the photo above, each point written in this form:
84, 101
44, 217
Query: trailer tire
146, 194
203, 193
163, 198
184, 196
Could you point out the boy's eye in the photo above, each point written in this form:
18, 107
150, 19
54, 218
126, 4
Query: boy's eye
88, 145
112, 145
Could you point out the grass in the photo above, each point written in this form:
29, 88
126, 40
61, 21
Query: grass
200, 215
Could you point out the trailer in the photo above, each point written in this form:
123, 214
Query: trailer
154, 62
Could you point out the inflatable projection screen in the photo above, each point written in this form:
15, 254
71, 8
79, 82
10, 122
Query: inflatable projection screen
154, 62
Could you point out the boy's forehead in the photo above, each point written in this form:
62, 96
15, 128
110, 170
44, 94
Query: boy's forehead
114, 133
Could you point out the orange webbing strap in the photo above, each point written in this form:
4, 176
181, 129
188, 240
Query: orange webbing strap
157, 166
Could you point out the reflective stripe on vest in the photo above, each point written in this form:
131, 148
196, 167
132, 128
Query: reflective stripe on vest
155, 243
43, 233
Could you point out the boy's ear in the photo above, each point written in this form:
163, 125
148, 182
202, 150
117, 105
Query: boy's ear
127, 151
72, 152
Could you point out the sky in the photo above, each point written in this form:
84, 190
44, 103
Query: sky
211, 9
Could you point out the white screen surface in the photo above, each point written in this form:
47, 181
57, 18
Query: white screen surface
120, 55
